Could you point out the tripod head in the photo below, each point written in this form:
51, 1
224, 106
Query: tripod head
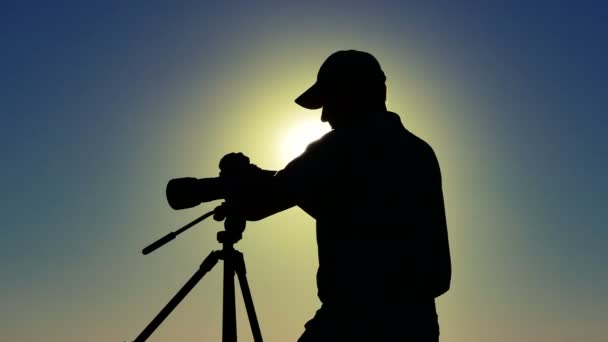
233, 226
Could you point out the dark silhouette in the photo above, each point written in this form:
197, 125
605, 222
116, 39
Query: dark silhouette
375, 191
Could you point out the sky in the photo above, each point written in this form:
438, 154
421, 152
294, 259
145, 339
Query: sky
102, 103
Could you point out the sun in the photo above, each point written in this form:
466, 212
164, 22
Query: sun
299, 135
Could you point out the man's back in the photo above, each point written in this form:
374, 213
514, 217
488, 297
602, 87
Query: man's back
375, 190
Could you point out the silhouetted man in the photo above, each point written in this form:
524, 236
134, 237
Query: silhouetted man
375, 191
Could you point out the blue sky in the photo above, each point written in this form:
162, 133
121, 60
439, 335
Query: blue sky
102, 103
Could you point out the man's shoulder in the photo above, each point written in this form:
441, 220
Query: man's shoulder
323, 142
339, 139
413, 140
425, 154
421, 144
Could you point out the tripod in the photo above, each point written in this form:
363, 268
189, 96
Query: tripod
234, 263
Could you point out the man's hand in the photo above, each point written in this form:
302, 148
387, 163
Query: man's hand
234, 164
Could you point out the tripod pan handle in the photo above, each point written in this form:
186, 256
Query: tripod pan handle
158, 243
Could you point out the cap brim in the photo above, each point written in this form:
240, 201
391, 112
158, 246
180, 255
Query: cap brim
311, 98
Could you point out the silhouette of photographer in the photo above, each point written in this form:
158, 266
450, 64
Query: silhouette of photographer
375, 191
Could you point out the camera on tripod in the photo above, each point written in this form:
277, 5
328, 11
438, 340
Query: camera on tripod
237, 177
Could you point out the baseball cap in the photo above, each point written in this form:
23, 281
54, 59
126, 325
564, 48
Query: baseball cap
343, 70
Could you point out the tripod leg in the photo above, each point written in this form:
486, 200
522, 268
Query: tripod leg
229, 309
205, 267
241, 272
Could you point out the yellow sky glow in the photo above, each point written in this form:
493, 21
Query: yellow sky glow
299, 135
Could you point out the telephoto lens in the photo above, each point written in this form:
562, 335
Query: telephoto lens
188, 192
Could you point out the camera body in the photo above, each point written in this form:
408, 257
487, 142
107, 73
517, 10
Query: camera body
237, 174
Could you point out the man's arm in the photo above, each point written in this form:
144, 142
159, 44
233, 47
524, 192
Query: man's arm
251, 193
268, 192
264, 197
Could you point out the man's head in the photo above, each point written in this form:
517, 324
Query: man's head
349, 84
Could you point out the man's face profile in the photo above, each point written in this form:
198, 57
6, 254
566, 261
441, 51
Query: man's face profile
328, 114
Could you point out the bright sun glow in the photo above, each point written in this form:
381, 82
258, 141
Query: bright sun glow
298, 136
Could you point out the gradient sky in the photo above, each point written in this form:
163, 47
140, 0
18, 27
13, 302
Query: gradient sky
103, 103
